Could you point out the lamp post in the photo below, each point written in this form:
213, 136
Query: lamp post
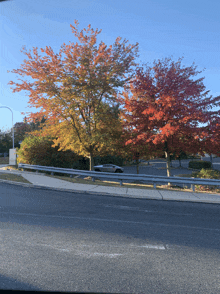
12, 121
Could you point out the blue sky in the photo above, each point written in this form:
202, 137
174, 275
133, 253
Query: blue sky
162, 28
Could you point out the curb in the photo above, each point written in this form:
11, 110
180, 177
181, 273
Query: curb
107, 194
77, 191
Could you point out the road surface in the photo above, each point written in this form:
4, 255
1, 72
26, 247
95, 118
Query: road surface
62, 241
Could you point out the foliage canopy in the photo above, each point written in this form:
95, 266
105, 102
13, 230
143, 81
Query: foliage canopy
168, 109
76, 88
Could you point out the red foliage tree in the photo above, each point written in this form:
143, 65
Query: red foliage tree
168, 109
211, 141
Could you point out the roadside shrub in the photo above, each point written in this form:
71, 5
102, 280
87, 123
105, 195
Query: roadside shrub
207, 174
200, 164
81, 164
38, 151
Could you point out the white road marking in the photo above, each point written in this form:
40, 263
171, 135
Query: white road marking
107, 254
149, 246
64, 250
97, 254
88, 252
150, 211
160, 247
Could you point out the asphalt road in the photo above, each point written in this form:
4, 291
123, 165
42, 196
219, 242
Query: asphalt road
158, 167
61, 241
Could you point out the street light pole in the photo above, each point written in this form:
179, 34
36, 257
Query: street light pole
12, 122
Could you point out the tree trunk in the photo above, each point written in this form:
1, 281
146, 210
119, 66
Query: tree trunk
167, 154
211, 159
91, 161
137, 166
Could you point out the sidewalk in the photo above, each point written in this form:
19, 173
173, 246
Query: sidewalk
43, 181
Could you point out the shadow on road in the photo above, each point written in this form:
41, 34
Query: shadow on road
8, 283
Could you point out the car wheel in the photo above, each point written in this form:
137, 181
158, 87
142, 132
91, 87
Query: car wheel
98, 170
118, 171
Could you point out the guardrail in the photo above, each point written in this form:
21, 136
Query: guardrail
150, 179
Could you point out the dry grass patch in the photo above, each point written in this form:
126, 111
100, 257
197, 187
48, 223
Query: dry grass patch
202, 188
88, 180
12, 177
4, 160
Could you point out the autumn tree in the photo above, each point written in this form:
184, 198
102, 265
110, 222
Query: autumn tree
168, 108
5, 142
211, 141
20, 131
71, 87
127, 149
107, 136
36, 123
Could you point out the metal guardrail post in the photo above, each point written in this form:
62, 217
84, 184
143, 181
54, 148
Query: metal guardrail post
193, 187
121, 183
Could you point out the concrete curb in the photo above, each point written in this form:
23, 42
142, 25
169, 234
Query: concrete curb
162, 193
78, 191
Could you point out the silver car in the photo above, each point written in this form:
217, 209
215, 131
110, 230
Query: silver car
108, 168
